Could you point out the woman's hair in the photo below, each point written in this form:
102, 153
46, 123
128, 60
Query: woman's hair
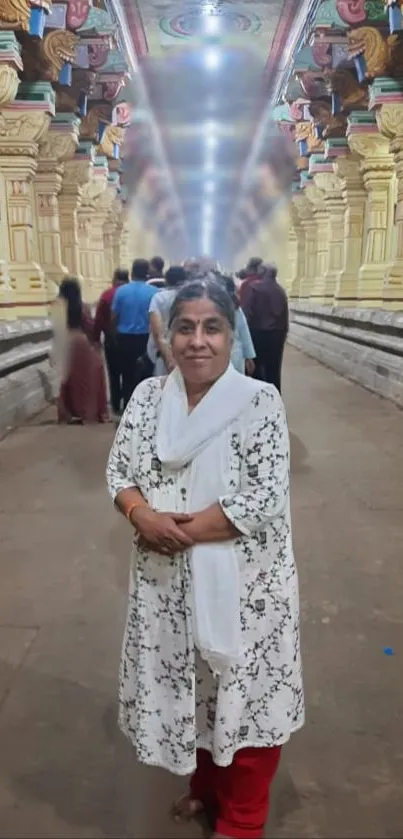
70, 291
175, 276
231, 289
210, 288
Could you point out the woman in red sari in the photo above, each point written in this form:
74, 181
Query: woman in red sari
82, 396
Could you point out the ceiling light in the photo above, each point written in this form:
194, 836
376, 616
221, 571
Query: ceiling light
208, 211
211, 23
211, 141
212, 59
209, 187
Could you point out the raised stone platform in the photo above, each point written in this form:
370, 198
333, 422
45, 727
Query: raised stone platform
27, 378
363, 345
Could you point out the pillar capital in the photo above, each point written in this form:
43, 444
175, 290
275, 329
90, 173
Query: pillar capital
10, 64
348, 169
316, 196
61, 140
330, 184
21, 131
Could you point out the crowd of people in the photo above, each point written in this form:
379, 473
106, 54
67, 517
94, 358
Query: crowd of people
131, 327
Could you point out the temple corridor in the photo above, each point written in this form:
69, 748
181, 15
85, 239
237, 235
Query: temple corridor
65, 771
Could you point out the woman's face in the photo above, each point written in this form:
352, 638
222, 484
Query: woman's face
201, 341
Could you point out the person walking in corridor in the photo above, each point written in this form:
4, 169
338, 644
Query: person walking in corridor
82, 394
210, 678
103, 326
159, 350
130, 317
266, 308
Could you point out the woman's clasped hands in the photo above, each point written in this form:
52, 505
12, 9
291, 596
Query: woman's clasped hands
161, 532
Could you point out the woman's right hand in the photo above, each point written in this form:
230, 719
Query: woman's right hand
161, 531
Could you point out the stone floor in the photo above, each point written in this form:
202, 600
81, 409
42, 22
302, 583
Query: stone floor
65, 771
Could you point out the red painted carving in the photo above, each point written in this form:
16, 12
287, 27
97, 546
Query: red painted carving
98, 53
351, 11
287, 128
111, 89
322, 54
297, 111
77, 13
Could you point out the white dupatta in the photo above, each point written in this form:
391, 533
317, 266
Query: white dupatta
201, 439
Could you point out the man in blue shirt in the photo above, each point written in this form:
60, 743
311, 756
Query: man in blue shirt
130, 313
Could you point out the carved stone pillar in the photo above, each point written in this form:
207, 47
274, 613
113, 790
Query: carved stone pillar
126, 248
321, 215
297, 247
10, 64
390, 122
377, 168
331, 186
308, 228
354, 195
20, 132
58, 145
77, 173
91, 220
110, 226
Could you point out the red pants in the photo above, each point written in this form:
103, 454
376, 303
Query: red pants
238, 793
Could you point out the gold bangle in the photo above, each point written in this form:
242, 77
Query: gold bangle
130, 509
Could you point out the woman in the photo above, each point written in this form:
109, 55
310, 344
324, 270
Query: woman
82, 396
210, 672
243, 351
158, 349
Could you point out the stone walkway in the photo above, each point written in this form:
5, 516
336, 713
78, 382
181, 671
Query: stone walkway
65, 771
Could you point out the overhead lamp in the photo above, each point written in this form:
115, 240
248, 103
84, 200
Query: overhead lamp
212, 58
209, 187
211, 141
209, 166
208, 211
211, 23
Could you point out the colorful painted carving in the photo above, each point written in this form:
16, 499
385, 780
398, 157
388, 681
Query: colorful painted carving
77, 13
351, 11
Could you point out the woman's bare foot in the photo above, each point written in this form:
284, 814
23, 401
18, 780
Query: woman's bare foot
186, 808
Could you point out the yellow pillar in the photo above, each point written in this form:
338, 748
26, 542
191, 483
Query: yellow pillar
377, 168
58, 145
331, 187
349, 171
308, 235
298, 248
21, 131
390, 122
10, 64
77, 173
321, 216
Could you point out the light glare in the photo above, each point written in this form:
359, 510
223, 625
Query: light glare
212, 59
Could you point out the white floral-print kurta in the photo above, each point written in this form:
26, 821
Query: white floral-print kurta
170, 702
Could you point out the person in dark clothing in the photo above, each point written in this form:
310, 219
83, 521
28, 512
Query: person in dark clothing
130, 314
156, 270
103, 325
250, 274
266, 308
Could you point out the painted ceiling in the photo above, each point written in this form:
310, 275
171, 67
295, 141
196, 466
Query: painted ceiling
209, 69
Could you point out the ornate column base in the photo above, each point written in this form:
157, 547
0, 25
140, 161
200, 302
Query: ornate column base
7, 295
371, 285
393, 287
